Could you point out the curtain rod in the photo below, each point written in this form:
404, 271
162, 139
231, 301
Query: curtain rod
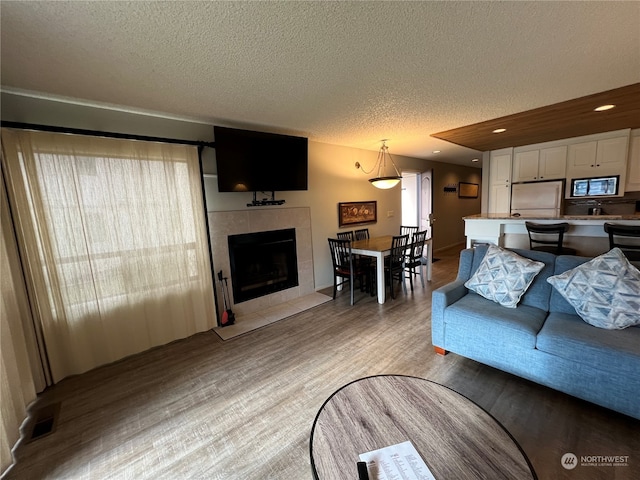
97, 133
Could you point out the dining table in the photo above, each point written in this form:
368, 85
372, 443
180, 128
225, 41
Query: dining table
380, 247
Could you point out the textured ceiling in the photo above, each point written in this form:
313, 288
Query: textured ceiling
346, 73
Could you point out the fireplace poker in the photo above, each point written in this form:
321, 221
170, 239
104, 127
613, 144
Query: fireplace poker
228, 317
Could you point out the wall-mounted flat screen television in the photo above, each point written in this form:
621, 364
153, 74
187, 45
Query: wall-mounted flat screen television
251, 161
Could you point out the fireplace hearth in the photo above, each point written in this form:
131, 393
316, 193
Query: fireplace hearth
262, 263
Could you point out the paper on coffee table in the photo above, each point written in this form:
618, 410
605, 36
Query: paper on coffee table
396, 462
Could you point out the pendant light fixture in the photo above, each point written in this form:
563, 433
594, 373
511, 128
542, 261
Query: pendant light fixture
381, 180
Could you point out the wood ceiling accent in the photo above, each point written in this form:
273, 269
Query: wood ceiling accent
572, 118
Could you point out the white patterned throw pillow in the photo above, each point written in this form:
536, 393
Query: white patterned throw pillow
503, 276
605, 291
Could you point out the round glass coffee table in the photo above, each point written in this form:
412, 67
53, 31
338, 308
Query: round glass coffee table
454, 436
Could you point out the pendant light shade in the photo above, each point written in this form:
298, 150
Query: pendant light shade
381, 180
385, 182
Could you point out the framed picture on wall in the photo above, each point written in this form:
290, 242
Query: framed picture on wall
357, 213
467, 190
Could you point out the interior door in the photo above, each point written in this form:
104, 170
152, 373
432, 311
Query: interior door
410, 198
417, 200
426, 202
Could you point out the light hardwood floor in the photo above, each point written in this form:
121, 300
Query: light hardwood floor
202, 408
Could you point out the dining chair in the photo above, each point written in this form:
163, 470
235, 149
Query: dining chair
394, 263
366, 263
362, 234
413, 261
346, 235
622, 236
345, 268
548, 237
406, 230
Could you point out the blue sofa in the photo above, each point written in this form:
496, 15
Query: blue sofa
542, 339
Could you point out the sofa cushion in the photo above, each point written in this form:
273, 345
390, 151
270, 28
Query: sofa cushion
604, 291
564, 263
567, 336
539, 292
514, 326
503, 276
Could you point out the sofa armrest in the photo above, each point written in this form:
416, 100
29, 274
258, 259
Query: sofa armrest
441, 298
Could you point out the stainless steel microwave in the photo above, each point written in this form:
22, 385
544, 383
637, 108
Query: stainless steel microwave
595, 187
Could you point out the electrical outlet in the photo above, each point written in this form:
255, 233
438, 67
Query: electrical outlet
389, 213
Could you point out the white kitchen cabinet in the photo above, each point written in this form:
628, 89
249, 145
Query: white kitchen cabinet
600, 157
525, 165
499, 198
500, 166
553, 163
581, 156
500, 163
596, 158
633, 164
612, 153
540, 164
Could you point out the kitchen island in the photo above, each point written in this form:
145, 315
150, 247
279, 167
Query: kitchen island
586, 232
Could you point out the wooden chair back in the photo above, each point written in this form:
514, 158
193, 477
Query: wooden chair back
346, 235
362, 234
398, 250
548, 237
406, 230
341, 256
626, 238
416, 248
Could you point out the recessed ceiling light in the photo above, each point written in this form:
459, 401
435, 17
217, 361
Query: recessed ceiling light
499, 130
602, 108
475, 160
436, 151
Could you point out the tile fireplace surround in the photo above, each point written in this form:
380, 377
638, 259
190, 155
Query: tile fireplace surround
223, 224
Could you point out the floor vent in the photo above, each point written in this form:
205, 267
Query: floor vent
44, 422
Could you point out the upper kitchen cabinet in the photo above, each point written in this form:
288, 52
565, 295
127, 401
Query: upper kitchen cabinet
500, 166
606, 156
633, 168
500, 180
540, 164
598, 156
553, 163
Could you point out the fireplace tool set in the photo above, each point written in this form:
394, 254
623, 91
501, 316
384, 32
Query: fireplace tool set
228, 317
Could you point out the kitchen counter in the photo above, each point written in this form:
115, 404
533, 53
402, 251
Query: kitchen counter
586, 232
560, 218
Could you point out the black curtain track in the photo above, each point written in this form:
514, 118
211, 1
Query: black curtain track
96, 133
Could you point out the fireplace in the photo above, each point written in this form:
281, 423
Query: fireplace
262, 263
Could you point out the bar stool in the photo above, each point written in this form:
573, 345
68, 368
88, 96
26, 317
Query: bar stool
624, 233
548, 237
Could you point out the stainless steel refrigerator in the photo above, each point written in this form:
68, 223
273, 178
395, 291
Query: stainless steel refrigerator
539, 199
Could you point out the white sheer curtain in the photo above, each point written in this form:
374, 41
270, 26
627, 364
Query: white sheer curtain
114, 242
19, 377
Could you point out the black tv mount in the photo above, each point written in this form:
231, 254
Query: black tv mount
264, 201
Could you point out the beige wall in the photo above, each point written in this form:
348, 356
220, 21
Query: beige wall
333, 176
448, 209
